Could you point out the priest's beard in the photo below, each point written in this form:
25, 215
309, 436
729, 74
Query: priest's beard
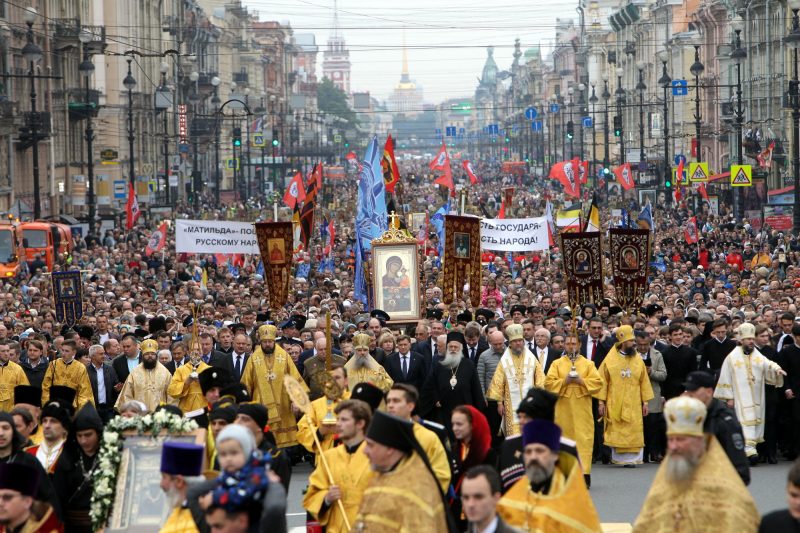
537, 474
452, 359
747, 350
517, 352
174, 498
149, 364
680, 468
268, 350
361, 361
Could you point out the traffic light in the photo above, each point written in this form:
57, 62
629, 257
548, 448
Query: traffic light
570, 130
275, 141
606, 172
346, 144
668, 181
237, 137
617, 126
507, 139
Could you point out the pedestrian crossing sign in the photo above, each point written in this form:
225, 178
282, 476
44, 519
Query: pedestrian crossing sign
698, 172
258, 140
232, 163
741, 175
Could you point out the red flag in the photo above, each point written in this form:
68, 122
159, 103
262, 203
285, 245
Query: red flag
391, 174
566, 173
583, 170
442, 162
350, 156
502, 212
131, 207
295, 192
307, 212
678, 179
765, 158
691, 231
624, 176
702, 190
157, 240
316, 174
473, 179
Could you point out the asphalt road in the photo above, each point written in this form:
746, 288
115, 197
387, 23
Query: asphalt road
618, 492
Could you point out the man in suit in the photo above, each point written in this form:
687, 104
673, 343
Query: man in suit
545, 353
593, 346
179, 357
234, 362
104, 381
475, 344
480, 492
784, 338
528, 333
680, 360
787, 520
319, 347
405, 366
429, 347
790, 361
714, 351
207, 351
129, 358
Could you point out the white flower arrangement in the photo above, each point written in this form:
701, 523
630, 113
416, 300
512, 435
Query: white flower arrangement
104, 477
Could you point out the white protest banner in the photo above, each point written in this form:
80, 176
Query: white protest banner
514, 234
215, 237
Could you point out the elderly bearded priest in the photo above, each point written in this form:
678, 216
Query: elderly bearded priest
518, 371
363, 368
696, 488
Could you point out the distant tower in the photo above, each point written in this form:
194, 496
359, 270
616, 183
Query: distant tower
407, 95
336, 58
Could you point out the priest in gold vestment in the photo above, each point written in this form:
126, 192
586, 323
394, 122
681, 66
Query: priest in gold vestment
403, 494
263, 376
322, 417
575, 379
68, 372
363, 368
696, 487
184, 387
149, 381
350, 469
552, 497
11, 375
179, 461
623, 399
517, 371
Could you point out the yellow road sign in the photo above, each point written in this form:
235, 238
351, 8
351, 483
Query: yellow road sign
232, 163
741, 175
258, 140
698, 172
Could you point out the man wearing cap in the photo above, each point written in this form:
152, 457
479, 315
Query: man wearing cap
68, 372
180, 461
575, 379
19, 484
321, 418
11, 375
349, 466
72, 478
720, 421
403, 494
518, 371
56, 420
28, 398
184, 387
741, 383
623, 399
552, 496
149, 381
695, 467
363, 368
453, 382
263, 376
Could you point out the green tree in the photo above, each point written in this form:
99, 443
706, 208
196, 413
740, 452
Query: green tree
333, 101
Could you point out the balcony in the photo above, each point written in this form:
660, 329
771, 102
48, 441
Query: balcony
66, 32
202, 127
81, 107
241, 78
205, 80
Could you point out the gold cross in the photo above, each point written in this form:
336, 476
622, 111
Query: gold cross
394, 220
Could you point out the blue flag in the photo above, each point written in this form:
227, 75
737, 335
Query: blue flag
647, 216
371, 214
437, 220
260, 269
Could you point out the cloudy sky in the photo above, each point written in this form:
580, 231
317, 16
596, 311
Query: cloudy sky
446, 39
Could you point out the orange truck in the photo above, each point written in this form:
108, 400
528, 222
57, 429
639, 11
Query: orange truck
50, 240
10, 252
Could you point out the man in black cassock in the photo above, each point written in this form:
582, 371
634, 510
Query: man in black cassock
452, 382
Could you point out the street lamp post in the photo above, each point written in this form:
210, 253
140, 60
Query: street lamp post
248, 177
197, 179
793, 41
738, 55
665, 82
33, 54
571, 124
606, 95
593, 101
162, 105
620, 93
129, 82
581, 113
215, 81
641, 87
86, 68
697, 69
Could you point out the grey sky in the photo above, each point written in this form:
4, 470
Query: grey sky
446, 39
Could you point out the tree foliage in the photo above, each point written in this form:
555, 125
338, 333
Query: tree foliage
333, 101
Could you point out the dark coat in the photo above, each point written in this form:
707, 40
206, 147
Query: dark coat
109, 378
438, 398
481, 347
35, 375
679, 362
722, 423
603, 348
417, 369
779, 521
120, 364
713, 353
225, 361
172, 367
790, 361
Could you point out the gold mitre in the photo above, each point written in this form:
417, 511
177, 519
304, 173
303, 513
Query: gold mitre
149, 346
267, 332
514, 332
685, 416
361, 340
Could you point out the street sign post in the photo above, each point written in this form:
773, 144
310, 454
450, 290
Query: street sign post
531, 113
741, 175
698, 172
680, 87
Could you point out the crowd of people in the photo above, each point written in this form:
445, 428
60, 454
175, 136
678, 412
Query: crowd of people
482, 416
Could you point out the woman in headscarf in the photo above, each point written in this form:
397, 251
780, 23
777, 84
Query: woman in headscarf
472, 447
